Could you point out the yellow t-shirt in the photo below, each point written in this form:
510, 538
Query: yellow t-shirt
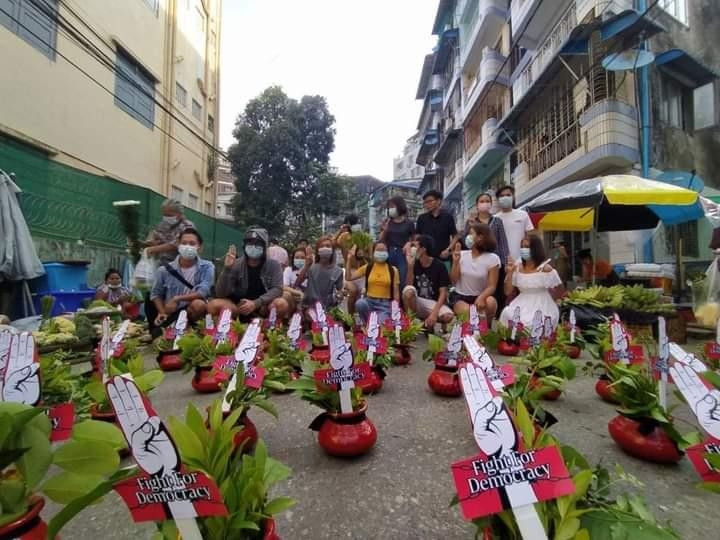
378, 283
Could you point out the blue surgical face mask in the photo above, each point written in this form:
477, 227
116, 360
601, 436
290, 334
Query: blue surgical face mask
254, 252
381, 256
506, 201
325, 252
170, 220
299, 263
469, 241
524, 253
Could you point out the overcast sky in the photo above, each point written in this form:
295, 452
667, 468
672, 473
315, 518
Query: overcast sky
363, 56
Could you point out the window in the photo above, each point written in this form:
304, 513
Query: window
689, 234
672, 103
211, 123
193, 201
704, 106
35, 21
196, 110
208, 208
176, 193
153, 5
134, 90
199, 20
180, 94
676, 8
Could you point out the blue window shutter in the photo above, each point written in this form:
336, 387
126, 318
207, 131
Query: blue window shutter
38, 25
9, 14
134, 90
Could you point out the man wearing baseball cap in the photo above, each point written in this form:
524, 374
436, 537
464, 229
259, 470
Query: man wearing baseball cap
250, 283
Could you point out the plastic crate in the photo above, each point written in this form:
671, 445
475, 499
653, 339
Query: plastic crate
63, 277
65, 301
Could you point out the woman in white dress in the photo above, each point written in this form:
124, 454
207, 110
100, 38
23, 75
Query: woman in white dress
535, 279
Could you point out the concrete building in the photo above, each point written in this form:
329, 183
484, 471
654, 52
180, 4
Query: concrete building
404, 166
126, 90
225, 190
538, 109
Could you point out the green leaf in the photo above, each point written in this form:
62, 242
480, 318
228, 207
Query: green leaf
567, 530
279, 504
96, 390
267, 406
713, 459
524, 423
34, 463
189, 445
147, 381
95, 430
709, 486
87, 457
712, 377
67, 486
12, 496
574, 458
195, 421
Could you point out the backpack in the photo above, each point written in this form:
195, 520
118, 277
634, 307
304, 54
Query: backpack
391, 268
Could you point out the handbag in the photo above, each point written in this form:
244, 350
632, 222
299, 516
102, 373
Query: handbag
144, 273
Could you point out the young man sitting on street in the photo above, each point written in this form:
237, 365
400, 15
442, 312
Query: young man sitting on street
251, 284
427, 292
181, 284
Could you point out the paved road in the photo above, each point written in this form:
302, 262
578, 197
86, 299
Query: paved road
401, 490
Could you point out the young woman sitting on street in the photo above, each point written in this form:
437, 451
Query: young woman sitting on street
382, 282
475, 272
536, 280
113, 292
324, 277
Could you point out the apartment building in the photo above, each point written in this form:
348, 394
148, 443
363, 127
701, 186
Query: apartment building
404, 166
121, 90
225, 190
538, 109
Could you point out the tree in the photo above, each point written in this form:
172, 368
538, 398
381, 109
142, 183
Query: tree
281, 164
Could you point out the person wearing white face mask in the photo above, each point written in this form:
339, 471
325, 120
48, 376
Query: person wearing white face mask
517, 223
250, 284
324, 277
397, 232
483, 203
536, 282
181, 284
113, 292
382, 282
163, 241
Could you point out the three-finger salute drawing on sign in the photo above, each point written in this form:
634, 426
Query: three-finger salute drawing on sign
165, 490
21, 380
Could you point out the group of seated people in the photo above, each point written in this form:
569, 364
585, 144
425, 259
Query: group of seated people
251, 282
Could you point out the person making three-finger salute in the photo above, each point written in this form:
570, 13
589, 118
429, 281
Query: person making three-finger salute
382, 282
324, 277
475, 272
250, 284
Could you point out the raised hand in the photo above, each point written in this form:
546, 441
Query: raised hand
536, 331
272, 317
320, 314
573, 325
395, 313
293, 332
373, 327
618, 336
547, 328
340, 353
474, 317
149, 441
231, 256
224, 323
477, 353
209, 323
492, 427
120, 334
456, 253
705, 403
180, 326
247, 348
22, 379
689, 359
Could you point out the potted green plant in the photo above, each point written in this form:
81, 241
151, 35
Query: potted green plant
563, 340
523, 395
643, 428
378, 370
26, 455
281, 360
199, 353
339, 434
61, 386
549, 369
168, 355
409, 331
245, 481
501, 340
443, 379
245, 397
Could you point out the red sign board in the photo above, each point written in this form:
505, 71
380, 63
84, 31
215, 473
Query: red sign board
332, 378
696, 454
62, 418
634, 355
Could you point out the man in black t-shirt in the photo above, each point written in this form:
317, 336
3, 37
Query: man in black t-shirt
437, 223
429, 279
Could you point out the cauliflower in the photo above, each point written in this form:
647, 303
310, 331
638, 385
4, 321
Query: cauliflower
65, 326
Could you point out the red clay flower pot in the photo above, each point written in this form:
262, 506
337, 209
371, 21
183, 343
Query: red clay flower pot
347, 435
507, 348
402, 355
248, 436
204, 382
551, 395
444, 381
573, 351
269, 530
645, 440
374, 383
132, 311
170, 360
29, 526
320, 353
603, 389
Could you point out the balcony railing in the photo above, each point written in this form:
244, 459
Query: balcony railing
545, 53
490, 66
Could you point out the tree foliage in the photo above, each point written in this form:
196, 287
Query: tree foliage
281, 164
